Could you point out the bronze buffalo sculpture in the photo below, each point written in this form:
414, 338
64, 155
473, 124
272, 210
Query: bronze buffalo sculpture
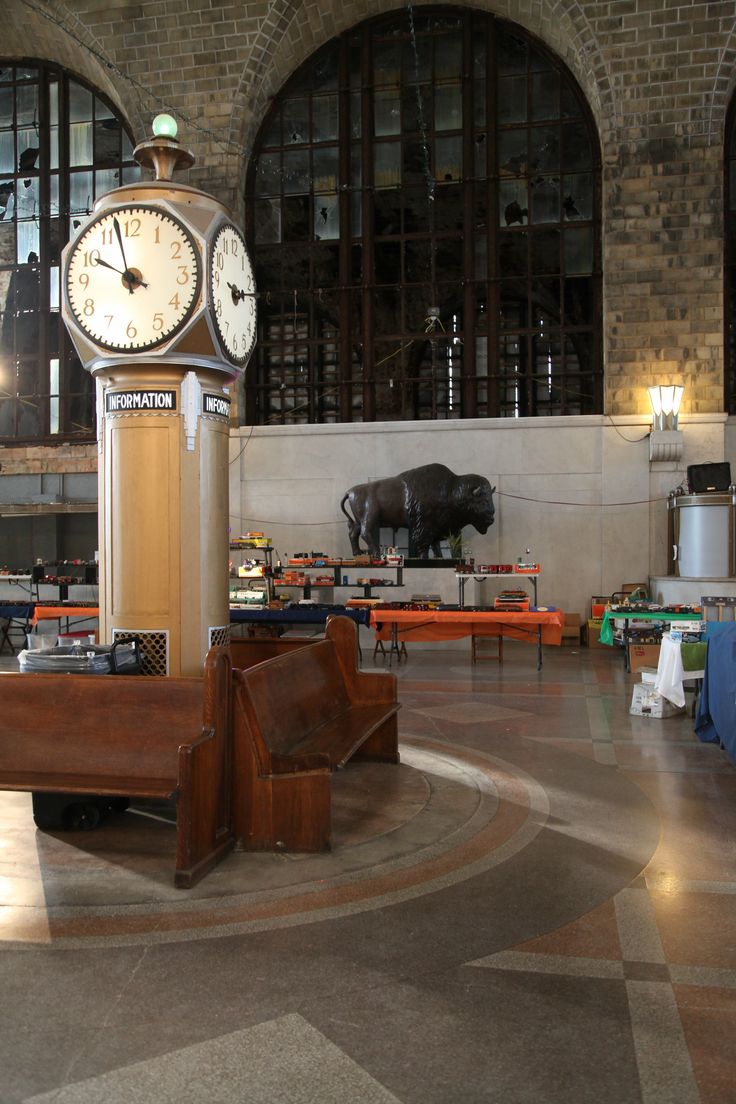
430, 501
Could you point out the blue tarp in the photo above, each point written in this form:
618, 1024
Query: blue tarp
716, 718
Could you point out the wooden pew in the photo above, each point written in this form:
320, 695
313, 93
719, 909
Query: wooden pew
152, 737
246, 651
296, 718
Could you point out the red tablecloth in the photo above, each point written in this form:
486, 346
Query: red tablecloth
451, 624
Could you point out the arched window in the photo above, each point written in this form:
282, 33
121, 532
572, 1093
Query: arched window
424, 213
61, 146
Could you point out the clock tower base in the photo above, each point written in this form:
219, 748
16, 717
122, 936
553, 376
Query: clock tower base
163, 524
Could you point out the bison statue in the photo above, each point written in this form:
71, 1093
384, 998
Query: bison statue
431, 502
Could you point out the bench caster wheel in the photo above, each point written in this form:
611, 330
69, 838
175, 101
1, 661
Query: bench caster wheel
82, 817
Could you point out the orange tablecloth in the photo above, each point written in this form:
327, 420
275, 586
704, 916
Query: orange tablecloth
57, 613
451, 624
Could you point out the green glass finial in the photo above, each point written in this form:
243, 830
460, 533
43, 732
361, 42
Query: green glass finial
164, 126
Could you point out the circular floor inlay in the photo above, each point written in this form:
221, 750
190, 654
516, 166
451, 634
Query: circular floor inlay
398, 832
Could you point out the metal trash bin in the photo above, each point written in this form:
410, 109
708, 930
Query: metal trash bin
121, 658
73, 812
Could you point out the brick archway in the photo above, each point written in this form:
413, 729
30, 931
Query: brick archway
290, 33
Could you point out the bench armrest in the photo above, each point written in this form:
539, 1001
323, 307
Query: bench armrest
371, 687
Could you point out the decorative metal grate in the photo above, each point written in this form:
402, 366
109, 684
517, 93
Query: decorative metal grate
154, 647
219, 636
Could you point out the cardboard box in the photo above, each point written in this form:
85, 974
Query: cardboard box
646, 702
571, 628
643, 655
592, 632
598, 604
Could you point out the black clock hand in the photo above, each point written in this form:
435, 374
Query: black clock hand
238, 295
131, 278
127, 274
106, 265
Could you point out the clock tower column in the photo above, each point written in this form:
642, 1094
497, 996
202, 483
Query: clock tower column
159, 301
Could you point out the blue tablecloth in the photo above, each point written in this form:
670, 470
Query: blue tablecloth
18, 612
299, 615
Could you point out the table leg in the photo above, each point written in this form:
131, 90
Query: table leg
394, 645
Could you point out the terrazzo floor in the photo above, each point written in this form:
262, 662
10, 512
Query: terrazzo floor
537, 905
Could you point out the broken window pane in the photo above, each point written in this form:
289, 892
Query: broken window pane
326, 217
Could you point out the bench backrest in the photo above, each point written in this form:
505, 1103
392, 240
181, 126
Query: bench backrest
246, 651
296, 692
118, 724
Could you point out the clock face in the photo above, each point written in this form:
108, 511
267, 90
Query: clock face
232, 291
133, 278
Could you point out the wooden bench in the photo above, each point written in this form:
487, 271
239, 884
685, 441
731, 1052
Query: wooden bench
150, 737
296, 719
246, 651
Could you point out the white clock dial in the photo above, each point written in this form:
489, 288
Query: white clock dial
133, 278
232, 292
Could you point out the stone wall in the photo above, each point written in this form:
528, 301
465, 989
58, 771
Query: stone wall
580, 493
42, 460
657, 74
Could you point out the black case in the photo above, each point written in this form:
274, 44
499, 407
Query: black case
708, 477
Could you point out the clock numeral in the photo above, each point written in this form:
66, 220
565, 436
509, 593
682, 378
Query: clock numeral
84, 279
183, 277
235, 247
157, 235
221, 261
218, 308
216, 278
91, 258
132, 227
131, 331
109, 318
158, 322
107, 235
174, 301
175, 250
89, 307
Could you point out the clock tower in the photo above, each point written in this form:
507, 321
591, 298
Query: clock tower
159, 300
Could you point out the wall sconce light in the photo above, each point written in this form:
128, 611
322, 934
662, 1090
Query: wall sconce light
665, 400
665, 441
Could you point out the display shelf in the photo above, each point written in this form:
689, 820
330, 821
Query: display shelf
257, 552
63, 574
503, 577
340, 580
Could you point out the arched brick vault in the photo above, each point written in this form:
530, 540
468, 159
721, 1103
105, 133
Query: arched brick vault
53, 33
724, 86
292, 31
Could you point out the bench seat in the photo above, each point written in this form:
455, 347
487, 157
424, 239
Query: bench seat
297, 718
48, 782
129, 736
342, 737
